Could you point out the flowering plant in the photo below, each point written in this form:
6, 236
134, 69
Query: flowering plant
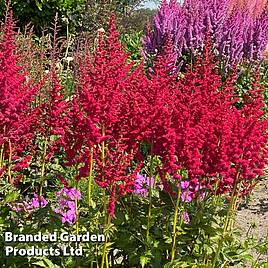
66, 204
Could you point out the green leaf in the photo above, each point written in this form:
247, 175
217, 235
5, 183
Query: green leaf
46, 263
39, 5
12, 196
144, 260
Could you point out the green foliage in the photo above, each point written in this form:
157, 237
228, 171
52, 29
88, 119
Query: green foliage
41, 13
132, 43
136, 21
78, 15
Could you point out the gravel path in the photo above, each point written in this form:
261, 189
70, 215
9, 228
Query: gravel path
252, 218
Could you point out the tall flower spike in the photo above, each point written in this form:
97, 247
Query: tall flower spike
16, 119
103, 90
169, 20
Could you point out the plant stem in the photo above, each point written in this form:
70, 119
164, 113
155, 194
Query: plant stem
77, 215
150, 199
227, 219
43, 166
230, 208
9, 162
2, 156
67, 41
107, 218
174, 231
77, 223
90, 177
104, 258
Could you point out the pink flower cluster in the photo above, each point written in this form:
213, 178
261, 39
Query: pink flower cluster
35, 203
66, 206
142, 184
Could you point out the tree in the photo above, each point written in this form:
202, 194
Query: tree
80, 15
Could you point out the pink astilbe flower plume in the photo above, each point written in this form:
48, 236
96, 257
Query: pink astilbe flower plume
253, 7
239, 29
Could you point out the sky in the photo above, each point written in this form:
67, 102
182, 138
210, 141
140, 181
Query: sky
153, 4
150, 4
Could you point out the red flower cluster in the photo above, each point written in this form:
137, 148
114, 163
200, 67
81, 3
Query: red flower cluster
96, 110
51, 114
16, 95
191, 123
219, 145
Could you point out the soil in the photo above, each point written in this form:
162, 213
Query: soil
252, 217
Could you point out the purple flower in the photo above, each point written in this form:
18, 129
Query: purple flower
71, 193
238, 36
66, 201
37, 201
142, 184
186, 197
185, 217
17, 207
69, 217
184, 185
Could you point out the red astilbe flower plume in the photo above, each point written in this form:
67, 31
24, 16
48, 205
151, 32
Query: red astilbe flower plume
51, 113
147, 109
218, 144
147, 106
16, 119
104, 79
112, 172
247, 148
198, 103
52, 106
161, 99
80, 135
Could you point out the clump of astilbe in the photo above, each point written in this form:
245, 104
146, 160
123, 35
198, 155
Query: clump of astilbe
148, 104
247, 147
219, 145
257, 37
198, 106
146, 107
51, 112
16, 95
253, 7
169, 21
237, 35
79, 131
103, 80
